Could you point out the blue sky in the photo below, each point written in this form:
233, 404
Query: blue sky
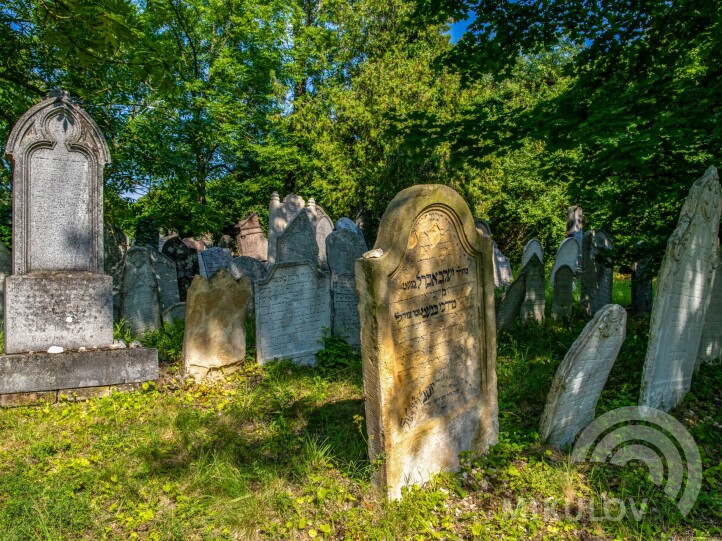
457, 29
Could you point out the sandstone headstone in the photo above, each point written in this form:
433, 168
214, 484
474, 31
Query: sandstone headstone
684, 289
597, 271
186, 263
252, 269
177, 312
147, 233
194, 244
533, 247
297, 242
6, 269
293, 306
211, 260
428, 338
532, 309
642, 281
343, 248
563, 291
510, 304
710, 345
567, 254
579, 380
214, 342
250, 238
140, 299
280, 216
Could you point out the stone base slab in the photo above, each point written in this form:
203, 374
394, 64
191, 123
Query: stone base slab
66, 309
69, 395
36, 372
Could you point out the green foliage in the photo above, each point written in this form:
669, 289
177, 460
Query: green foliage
336, 354
168, 341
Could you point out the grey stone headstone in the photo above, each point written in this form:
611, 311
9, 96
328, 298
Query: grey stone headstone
349, 225
563, 292
211, 260
684, 289
177, 312
280, 216
642, 281
502, 269
483, 226
532, 309
710, 344
252, 269
165, 269
597, 271
186, 263
324, 228
115, 245
533, 247
6, 269
226, 241
297, 242
293, 306
567, 254
581, 377
343, 248
250, 238
510, 304
140, 298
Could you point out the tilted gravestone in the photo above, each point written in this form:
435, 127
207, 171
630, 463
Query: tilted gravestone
214, 342
115, 244
293, 306
563, 292
350, 225
250, 239
343, 248
252, 269
642, 281
567, 254
6, 269
297, 242
574, 224
177, 312
597, 271
710, 344
684, 288
533, 247
167, 276
58, 295
279, 216
322, 228
186, 263
211, 260
581, 377
532, 309
503, 275
140, 299
510, 304
428, 338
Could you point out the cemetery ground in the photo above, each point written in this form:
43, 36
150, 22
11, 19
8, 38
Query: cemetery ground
279, 452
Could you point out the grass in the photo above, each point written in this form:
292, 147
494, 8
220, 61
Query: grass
279, 452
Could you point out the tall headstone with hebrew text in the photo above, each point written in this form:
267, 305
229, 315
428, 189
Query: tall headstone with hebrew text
186, 263
597, 271
684, 289
211, 260
428, 338
58, 294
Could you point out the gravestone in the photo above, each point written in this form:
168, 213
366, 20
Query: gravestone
349, 225
250, 238
533, 247
194, 244
211, 260
227, 242
684, 289
147, 233
581, 377
483, 226
293, 306
186, 263
115, 244
214, 341
343, 248
502, 268
140, 298
563, 292
297, 242
6, 269
532, 309
642, 280
567, 254
597, 271
574, 224
58, 295
165, 270
252, 269
280, 216
710, 344
323, 228
428, 338
510, 304
177, 312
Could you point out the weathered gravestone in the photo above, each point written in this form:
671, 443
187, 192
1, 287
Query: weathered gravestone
58, 295
563, 292
710, 344
502, 268
567, 254
147, 233
642, 280
186, 263
597, 271
211, 260
580, 378
227, 242
297, 242
279, 216
140, 299
322, 228
532, 309
6, 269
250, 238
574, 224
214, 342
115, 245
510, 304
684, 288
167, 276
533, 247
343, 248
293, 306
252, 269
177, 312
349, 225
428, 338
483, 226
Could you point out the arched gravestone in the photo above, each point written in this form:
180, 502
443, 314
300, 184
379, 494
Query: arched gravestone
428, 338
580, 378
297, 242
186, 263
567, 254
350, 225
510, 304
252, 269
532, 309
533, 247
165, 270
483, 226
140, 300
684, 287
211, 260
710, 344
322, 228
279, 216
563, 291
343, 248
250, 238
597, 271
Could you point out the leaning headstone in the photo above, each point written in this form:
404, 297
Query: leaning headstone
343, 248
58, 297
214, 341
165, 270
114, 246
297, 242
140, 299
642, 281
211, 260
323, 227
532, 309
502, 268
428, 338
350, 225
597, 271
579, 380
250, 239
293, 306
177, 312
252, 269
510, 304
684, 289
147, 233
533, 247
574, 224
186, 263
710, 344
567, 254
280, 216
6, 269
563, 291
